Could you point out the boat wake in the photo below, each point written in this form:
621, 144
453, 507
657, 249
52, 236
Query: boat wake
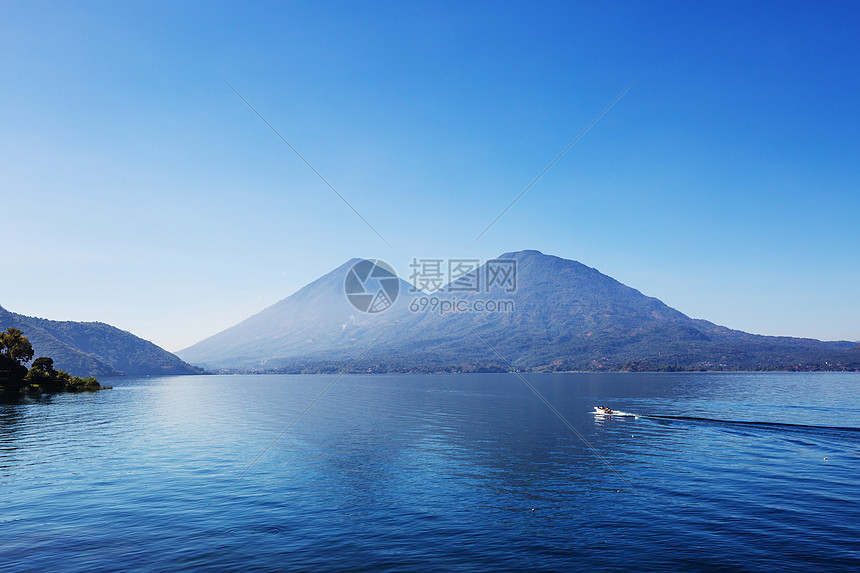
601, 412
751, 424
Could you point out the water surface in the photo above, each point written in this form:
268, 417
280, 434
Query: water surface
436, 473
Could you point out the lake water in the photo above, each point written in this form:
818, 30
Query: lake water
436, 473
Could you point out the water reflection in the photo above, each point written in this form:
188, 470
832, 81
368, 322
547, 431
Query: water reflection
469, 472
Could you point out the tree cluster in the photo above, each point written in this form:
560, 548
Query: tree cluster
16, 351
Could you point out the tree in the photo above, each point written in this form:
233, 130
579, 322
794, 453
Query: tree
15, 347
43, 374
15, 352
43, 364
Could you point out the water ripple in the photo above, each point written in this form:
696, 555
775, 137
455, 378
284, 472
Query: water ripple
435, 473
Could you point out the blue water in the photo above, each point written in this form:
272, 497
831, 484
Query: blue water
436, 473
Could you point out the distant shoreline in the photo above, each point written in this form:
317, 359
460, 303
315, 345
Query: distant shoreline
328, 371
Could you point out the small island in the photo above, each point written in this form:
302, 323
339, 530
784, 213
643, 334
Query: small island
16, 351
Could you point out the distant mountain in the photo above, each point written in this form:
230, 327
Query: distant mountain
566, 316
569, 316
94, 348
316, 324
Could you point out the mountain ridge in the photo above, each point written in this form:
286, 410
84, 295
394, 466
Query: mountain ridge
567, 316
94, 348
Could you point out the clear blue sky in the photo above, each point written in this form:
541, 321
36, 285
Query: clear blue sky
138, 190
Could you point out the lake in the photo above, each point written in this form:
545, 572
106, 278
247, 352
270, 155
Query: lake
719, 472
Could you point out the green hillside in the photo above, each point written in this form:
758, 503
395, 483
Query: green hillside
94, 348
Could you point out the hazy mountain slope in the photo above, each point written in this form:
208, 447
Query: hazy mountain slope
316, 322
570, 316
566, 316
94, 348
562, 309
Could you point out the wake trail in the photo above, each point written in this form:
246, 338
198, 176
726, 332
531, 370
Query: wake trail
749, 423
